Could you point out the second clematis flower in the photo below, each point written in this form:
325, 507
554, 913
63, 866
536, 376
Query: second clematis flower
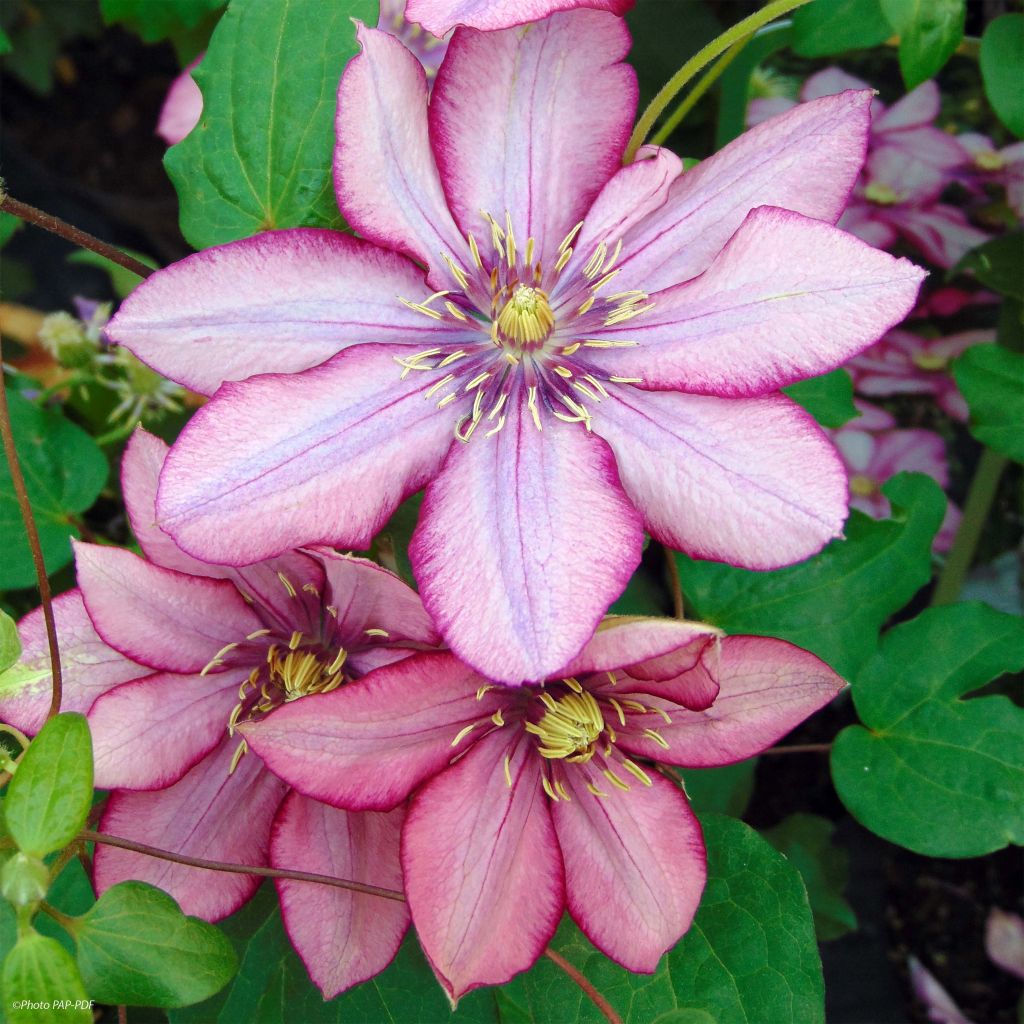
533, 799
594, 349
166, 658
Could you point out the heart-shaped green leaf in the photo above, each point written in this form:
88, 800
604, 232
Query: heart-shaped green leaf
992, 382
41, 985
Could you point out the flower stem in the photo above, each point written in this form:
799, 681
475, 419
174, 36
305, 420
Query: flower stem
800, 748
675, 584
74, 235
699, 60
116, 434
239, 869
693, 97
980, 496
67, 923
32, 535
606, 1008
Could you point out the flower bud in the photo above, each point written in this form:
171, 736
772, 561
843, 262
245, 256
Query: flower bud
24, 880
66, 339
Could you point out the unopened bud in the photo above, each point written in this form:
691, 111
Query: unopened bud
65, 338
24, 880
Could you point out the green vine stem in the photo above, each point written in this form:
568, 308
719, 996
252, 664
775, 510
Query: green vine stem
741, 30
32, 535
980, 496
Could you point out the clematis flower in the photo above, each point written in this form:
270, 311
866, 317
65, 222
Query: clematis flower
601, 350
536, 798
905, 363
874, 451
167, 658
1003, 167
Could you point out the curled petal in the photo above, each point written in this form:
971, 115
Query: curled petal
343, 937
482, 869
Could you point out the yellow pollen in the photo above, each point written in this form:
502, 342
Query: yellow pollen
570, 727
862, 486
881, 194
526, 319
989, 160
929, 362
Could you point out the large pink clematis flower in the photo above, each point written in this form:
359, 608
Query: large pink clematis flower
874, 450
167, 658
905, 363
601, 350
537, 798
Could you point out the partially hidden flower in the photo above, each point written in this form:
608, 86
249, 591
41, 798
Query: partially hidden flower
1004, 941
874, 450
530, 800
1004, 167
167, 658
182, 106
905, 363
937, 1002
599, 351
439, 17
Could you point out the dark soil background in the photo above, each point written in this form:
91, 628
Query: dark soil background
88, 153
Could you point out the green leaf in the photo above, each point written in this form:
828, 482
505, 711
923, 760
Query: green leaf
835, 26
64, 471
136, 947
260, 157
8, 225
929, 31
40, 971
999, 264
734, 85
272, 985
828, 398
1002, 56
724, 790
50, 795
749, 958
154, 20
805, 840
992, 381
835, 603
122, 281
642, 596
5, 47
938, 774
10, 642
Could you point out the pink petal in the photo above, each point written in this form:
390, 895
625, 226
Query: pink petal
751, 324
89, 667
207, 814
147, 734
524, 540
367, 745
182, 108
768, 687
936, 1000
919, 107
941, 232
565, 104
831, 82
482, 870
368, 597
805, 160
872, 417
625, 641
440, 16
749, 481
635, 866
384, 173
160, 617
1004, 941
761, 109
279, 302
323, 456
343, 937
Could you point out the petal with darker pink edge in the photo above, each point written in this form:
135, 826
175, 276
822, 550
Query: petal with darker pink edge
322, 456
208, 814
635, 866
440, 16
751, 481
159, 617
483, 874
524, 540
343, 937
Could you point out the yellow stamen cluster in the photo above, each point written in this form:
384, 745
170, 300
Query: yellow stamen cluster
930, 363
526, 319
862, 486
882, 195
989, 160
570, 727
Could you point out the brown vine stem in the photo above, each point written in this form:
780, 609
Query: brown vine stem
32, 535
74, 235
239, 869
800, 748
672, 568
606, 1008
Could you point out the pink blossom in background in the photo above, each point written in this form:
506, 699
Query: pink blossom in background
949, 300
182, 107
531, 800
441, 16
904, 363
167, 658
938, 1003
1004, 941
1004, 167
599, 352
873, 452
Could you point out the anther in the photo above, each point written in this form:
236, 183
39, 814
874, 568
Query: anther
292, 592
463, 733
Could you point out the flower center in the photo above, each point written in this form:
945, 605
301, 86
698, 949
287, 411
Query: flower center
569, 728
525, 320
862, 486
927, 361
988, 160
881, 194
